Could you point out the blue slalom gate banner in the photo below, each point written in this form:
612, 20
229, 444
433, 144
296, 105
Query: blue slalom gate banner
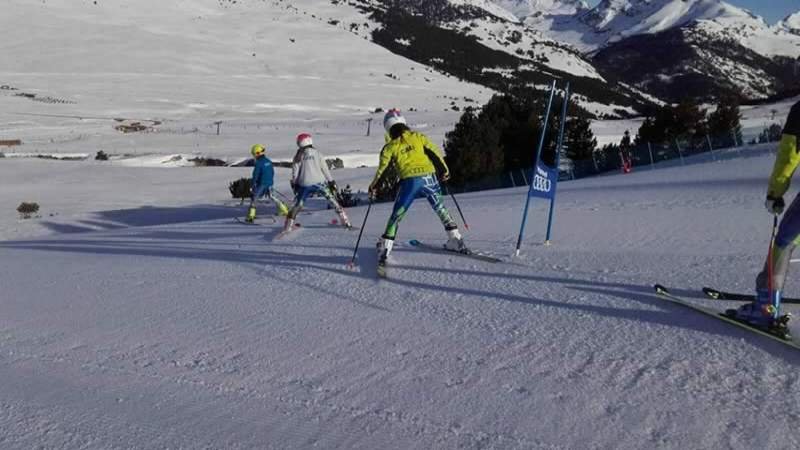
544, 182
544, 178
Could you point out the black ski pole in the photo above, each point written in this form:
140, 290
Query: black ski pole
352, 262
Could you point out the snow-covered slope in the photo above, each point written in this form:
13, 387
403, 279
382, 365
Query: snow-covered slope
197, 62
171, 326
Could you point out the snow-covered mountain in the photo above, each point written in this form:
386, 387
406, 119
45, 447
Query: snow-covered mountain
673, 47
526, 8
481, 41
617, 19
613, 20
790, 24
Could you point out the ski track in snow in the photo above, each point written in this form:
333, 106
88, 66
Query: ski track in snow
188, 330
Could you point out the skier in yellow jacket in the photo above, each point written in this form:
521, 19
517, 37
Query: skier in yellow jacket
765, 311
417, 161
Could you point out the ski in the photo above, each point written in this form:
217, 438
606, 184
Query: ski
785, 339
733, 296
471, 254
285, 233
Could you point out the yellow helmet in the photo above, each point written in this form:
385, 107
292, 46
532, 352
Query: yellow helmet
257, 150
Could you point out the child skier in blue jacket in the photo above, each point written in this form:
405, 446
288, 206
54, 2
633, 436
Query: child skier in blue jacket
262, 182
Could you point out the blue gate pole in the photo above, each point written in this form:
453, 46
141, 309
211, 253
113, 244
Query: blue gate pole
536, 160
558, 157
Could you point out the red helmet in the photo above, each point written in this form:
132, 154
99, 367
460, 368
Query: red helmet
304, 140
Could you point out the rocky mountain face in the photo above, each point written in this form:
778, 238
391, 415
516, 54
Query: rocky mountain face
614, 52
678, 48
482, 42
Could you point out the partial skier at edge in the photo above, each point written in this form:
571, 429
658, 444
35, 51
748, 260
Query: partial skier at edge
765, 310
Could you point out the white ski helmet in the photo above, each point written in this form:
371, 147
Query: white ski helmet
304, 140
392, 118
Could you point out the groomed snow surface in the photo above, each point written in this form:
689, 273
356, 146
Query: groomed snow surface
145, 317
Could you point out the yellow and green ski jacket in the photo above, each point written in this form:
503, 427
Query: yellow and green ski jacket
414, 155
788, 157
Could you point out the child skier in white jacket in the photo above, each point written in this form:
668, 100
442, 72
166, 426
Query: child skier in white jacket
310, 175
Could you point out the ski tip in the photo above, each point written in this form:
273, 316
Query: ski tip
414, 242
660, 289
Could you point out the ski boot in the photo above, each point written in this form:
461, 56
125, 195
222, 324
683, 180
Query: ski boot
288, 225
455, 243
344, 220
251, 215
763, 313
384, 247
283, 210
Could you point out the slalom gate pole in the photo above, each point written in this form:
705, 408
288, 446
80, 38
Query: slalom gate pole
558, 160
352, 262
536, 161
466, 225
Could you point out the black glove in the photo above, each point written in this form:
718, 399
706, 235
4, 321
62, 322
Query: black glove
774, 205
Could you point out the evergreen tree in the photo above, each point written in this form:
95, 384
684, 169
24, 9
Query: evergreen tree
579, 140
473, 148
771, 134
649, 132
684, 122
504, 136
607, 158
724, 125
688, 122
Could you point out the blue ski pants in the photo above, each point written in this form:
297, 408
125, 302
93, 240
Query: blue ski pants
416, 187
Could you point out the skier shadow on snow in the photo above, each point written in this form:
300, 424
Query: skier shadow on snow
155, 243
152, 245
695, 321
142, 217
668, 315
